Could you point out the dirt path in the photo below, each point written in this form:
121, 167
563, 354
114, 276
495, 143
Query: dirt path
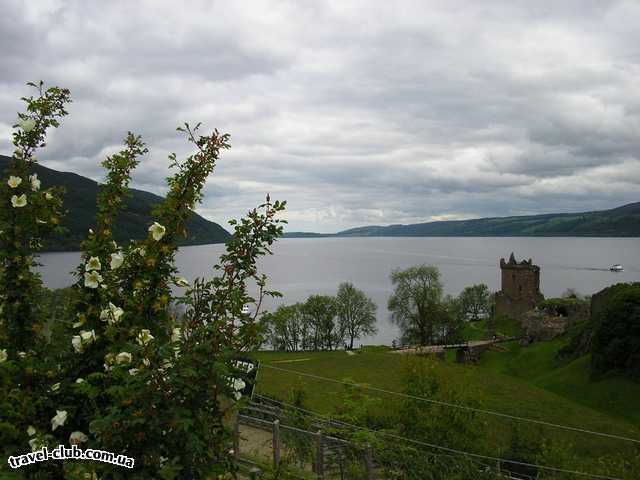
258, 443
440, 348
255, 442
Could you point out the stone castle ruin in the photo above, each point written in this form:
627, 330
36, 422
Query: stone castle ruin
520, 290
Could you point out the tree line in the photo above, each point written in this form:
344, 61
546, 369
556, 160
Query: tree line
322, 322
418, 307
425, 315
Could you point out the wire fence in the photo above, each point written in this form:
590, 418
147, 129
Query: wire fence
311, 444
310, 451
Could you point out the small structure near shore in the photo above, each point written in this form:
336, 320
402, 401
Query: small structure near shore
520, 291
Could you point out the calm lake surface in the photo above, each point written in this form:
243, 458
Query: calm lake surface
301, 267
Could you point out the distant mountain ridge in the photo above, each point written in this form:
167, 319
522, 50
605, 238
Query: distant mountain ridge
133, 222
622, 221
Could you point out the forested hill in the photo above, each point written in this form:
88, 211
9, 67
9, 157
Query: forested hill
80, 201
618, 222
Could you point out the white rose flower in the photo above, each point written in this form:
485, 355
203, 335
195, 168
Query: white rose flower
79, 380
111, 314
31, 431
157, 231
35, 444
182, 282
27, 125
146, 362
77, 437
48, 196
123, 358
117, 259
133, 371
14, 182
3, 355
144, 337
76, 341
92, 279
238, 384
18, 201
59, 420
93, 264
35, 183
88, 336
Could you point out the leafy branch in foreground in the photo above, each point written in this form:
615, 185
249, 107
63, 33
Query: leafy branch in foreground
122, 371
29, 213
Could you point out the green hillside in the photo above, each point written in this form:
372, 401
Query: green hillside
80, 201
618, 222
522, 381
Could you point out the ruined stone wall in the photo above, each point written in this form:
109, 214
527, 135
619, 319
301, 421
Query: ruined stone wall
513, 307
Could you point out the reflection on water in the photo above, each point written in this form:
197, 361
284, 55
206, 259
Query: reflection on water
300, 267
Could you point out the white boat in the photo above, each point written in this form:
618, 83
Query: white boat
616, 268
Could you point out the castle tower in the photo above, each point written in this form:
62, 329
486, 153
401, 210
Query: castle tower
520, 290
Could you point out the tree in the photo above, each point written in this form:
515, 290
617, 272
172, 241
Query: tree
572, 293
356, 313
616, 340
416, 304
321, 312
474, 301
29, 213
286, 327
452, 320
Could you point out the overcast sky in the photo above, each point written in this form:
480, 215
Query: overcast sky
357, 113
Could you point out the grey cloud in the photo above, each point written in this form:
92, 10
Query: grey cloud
384, 113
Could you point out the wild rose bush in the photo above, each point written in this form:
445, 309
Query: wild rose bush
122, 372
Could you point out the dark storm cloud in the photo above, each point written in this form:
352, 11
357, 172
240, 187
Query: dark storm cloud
356, 113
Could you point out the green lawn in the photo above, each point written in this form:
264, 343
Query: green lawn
538, 365
478, 330
525, 382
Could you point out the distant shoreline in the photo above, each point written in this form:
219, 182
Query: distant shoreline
335, 235
623, 221
331, 235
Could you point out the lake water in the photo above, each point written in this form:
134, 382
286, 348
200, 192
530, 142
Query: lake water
301, 267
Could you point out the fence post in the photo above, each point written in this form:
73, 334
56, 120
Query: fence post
368, 461
236, 437
276, 443
320, 455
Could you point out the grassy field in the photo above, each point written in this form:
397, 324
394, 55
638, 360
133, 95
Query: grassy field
538, 365
505, 327
521, 381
